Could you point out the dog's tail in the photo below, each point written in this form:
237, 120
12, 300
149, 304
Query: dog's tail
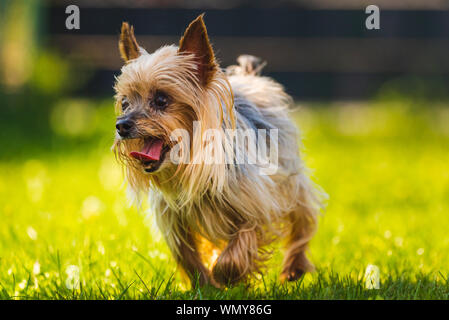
247, 65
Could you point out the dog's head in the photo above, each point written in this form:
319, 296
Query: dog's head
160, 92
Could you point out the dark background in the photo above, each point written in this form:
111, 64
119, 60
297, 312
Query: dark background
316, 52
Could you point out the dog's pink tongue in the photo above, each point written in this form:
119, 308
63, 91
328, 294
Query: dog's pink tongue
151, 151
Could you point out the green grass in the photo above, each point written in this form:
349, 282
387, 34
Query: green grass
385, 168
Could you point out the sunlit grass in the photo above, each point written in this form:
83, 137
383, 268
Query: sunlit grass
67, 231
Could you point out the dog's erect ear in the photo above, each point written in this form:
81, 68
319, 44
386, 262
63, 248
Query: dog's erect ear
196, 41
129, 49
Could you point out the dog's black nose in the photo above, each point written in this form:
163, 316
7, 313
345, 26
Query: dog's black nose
124, 127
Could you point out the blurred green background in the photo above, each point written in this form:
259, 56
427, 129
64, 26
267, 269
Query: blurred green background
68, 231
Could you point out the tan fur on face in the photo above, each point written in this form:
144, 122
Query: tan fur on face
189, 102
232, 207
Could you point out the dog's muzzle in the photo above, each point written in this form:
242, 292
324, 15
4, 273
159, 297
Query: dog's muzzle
124, 127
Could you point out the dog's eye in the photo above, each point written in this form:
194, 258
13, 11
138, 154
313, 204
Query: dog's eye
125, 104
160, 101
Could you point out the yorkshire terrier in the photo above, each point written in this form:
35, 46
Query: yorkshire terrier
202, 207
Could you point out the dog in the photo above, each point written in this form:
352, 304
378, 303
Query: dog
200, 207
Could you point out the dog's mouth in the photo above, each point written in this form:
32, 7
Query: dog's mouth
152, 154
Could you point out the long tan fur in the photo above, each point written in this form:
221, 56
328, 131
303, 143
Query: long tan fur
234, 208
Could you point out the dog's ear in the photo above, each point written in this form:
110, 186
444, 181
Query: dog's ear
196, 41
129, 49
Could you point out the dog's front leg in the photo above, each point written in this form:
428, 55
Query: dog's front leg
239, 259
189, 259
183, 246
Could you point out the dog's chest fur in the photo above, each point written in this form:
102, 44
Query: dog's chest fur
216, 217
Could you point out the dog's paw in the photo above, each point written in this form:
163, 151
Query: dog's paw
291, 274
226, 272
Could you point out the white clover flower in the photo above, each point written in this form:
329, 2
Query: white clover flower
372, 277
23, 284
36, 268
32, 233
72, 271
73, 277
